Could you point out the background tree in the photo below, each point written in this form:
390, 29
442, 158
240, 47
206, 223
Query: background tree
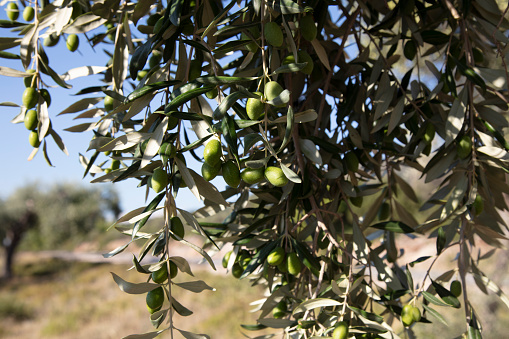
49, 218
322, 111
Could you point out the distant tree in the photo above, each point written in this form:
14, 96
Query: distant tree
61, 213
313, 112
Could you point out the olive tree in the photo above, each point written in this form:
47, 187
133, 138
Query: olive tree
320, 116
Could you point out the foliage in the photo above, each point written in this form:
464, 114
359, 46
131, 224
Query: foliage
394, 86
66, 212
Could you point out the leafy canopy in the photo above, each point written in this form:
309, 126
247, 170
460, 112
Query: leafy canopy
357, 99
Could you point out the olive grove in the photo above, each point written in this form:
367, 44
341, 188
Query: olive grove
319, 116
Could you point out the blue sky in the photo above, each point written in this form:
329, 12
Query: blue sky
16, 171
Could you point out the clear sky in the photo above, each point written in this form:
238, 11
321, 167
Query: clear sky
16, 171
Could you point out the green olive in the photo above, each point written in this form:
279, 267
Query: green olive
159, 180
177, 227
252, 176
33, 139
12, 11
464, 147
31, 121
231, 173
273, 34
72, 42
478, 205
275, 176
341, 330
30, 97
456, 288
308, 28
407, 316
279, 311
209, 172
155, 299
213, 152
272, 90
28, 13
276, 257
293, 264
255, 108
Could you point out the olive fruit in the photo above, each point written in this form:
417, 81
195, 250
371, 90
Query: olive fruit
385, 211
356, 201
172, 122
12, 11
115, 164
464, 147
410, 50
226, 259
231, 173
167, 151
276, 257
155, 59
155, 299
209, 172
108, 103
455, 288
212, 93
28, 13
30, 97
194, 69
72, 42
340, 330
177, 227
141, 74
279, 311
31, 120
255, 107
45, 95
293, 264
159, 180
51, 40
152, 20
158, 25
304, 56
275, 176
33, 139
429, 135
416, 313
407, 316
213, 151
237, 270
160, 275
252, 176
272, 90
352, 162
478, 205
308, 27
28, 80
273, 34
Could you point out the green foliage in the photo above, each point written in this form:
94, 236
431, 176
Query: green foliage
380, 90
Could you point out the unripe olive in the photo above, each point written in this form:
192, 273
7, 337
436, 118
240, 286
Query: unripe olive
155, 59
272, 90
177, 227
172, 122
416, 313
478, 205
115, 164
167, 151
304, 56
194, 69
464, 147
12, 11
293, 263
237, 270
158, 25
160, 275
456, 288
407, 316
155, 299
429, 134
33, 139
30, 97
31, 120
141, 74
341, 330
356, 201
276, 257
108, 103
279, 311
72, 42
159, 180
209, 172
28, 13
410, 50
152, 20
307, 27
352, 162
46, 96
275, 176
28, 80
213, 151
212, 93
255, 108
231, 173
51, 40
226, 259
252, 176
273, 34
